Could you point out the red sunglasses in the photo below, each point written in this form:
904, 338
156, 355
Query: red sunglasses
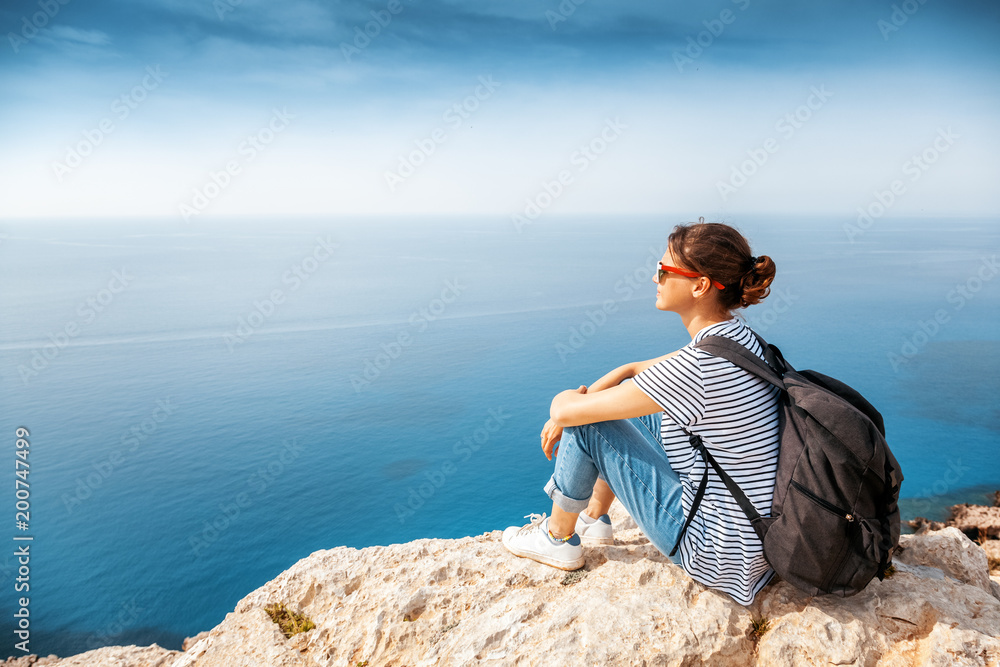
664, 269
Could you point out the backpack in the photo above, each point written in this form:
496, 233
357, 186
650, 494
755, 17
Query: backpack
834, 521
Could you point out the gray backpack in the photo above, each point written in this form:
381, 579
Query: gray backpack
834, 520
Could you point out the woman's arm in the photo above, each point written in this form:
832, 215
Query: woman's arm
574, 407
622, 373
616, 401
640, 366
578, 406
613, 378
608, 398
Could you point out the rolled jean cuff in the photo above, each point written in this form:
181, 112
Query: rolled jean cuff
567, 504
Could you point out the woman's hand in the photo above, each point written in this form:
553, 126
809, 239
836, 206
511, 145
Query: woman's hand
552, 434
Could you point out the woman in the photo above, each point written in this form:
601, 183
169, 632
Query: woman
626, 439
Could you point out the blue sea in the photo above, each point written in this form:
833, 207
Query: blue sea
209, 403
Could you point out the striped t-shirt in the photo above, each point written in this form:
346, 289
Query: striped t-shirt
736, 414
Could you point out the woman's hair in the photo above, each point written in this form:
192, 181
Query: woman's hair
721, 253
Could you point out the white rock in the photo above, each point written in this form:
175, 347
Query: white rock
468, 601
950, 551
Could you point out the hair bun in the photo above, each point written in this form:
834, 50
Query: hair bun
756, 284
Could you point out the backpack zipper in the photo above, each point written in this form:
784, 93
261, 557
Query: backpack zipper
822, 503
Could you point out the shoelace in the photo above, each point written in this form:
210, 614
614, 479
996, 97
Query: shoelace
535, 519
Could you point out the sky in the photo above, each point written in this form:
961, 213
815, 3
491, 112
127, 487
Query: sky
190, 109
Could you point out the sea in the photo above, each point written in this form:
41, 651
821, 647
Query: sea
187, 409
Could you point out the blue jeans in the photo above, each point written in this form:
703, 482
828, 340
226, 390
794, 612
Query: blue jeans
627, 453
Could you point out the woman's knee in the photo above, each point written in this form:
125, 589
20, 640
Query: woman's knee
577, 436
612, 431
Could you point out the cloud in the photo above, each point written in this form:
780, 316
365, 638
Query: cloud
357, 116
70, 34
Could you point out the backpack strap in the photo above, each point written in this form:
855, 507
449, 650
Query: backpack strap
729, 349
889, 493
739, 355
756, 521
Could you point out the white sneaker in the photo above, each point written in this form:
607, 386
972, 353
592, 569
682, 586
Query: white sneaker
533, 541
597, 533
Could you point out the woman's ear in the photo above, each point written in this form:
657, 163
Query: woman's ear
700, 287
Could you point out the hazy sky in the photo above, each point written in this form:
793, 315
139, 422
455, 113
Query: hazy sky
195, 108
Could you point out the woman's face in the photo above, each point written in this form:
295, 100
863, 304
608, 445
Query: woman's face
674, 290
684, 295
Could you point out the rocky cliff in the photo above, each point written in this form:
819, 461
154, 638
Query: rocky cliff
467, 601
